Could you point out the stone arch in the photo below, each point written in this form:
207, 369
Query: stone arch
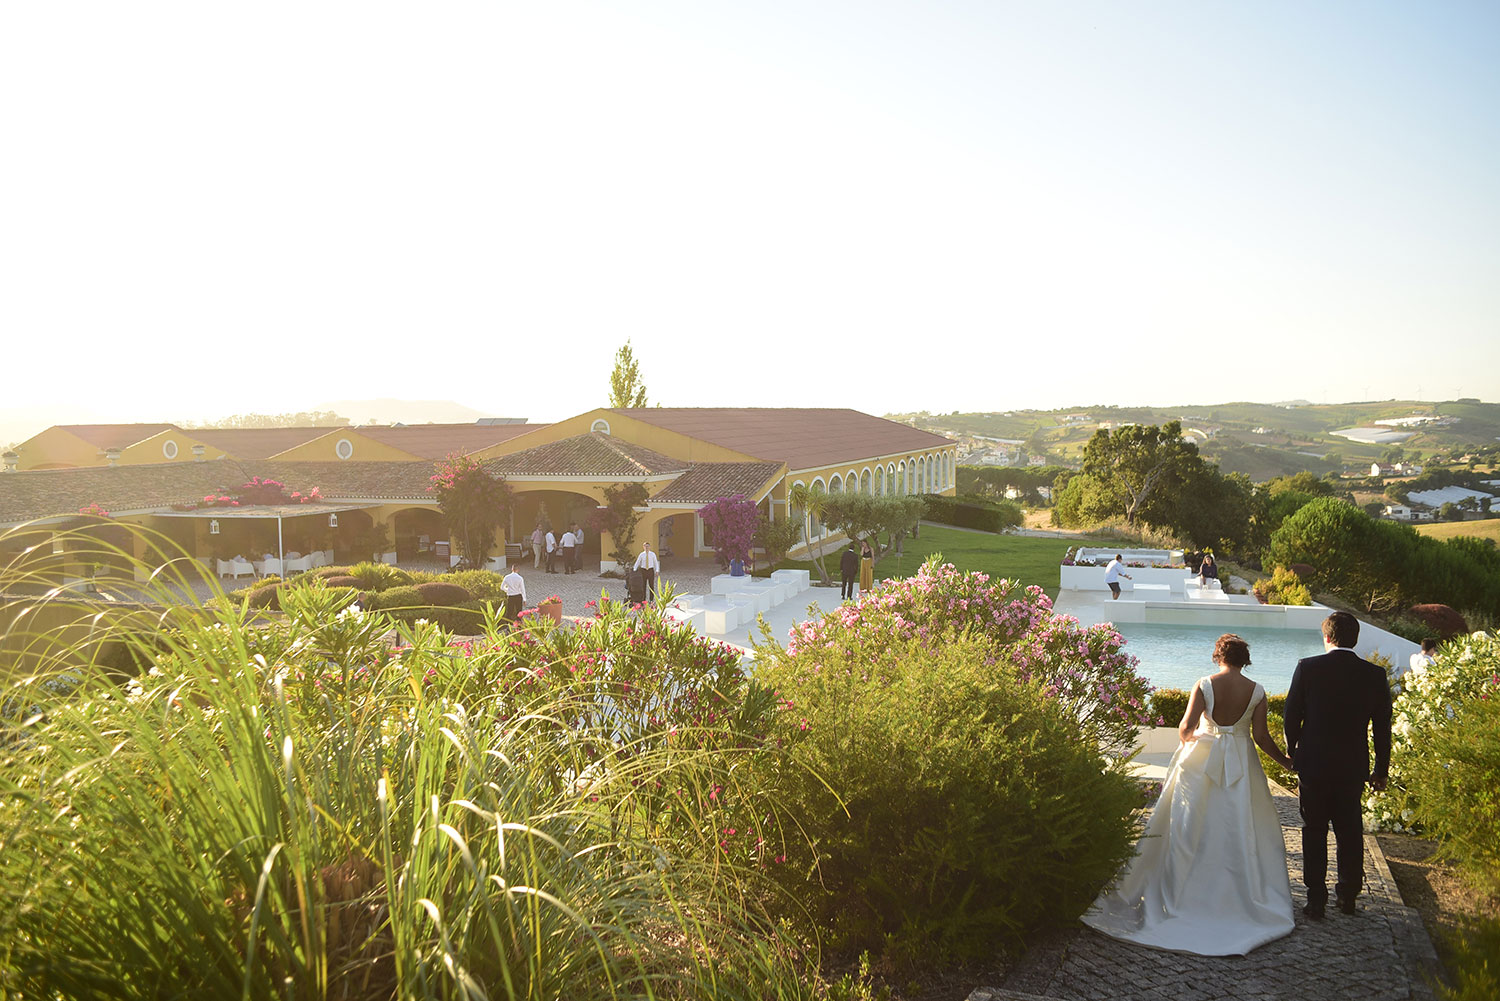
415, 529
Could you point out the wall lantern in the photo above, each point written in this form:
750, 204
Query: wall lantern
333, 520
213, 527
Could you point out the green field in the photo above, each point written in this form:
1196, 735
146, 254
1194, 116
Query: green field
1025, 558
1489, 528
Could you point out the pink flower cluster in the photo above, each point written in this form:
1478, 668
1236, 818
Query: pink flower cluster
1085, 669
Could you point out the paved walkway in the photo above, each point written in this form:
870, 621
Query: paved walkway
1382, 953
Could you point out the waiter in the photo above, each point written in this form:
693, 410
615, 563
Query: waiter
648, 565
514, 586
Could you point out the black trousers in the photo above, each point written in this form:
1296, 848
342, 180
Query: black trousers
1322, 802
649, 576
512, 607
847, 589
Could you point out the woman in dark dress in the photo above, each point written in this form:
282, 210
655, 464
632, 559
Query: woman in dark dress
1209, 570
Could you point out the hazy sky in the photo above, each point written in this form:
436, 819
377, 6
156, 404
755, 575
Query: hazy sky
209, 208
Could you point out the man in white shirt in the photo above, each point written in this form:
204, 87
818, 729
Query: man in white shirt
551, 550
649, 566
568, 545
1112, 575
1423, 658
514, 586
577, 546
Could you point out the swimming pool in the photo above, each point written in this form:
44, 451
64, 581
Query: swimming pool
1176, 656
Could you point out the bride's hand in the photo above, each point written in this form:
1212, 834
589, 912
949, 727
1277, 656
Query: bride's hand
1188, 739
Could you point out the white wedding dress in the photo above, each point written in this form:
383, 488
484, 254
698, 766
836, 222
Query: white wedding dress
1209, 875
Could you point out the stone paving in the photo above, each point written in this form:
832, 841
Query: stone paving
1381, 953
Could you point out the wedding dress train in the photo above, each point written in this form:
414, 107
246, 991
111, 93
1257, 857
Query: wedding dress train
1209, 875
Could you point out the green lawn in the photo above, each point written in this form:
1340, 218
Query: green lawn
1488, 528
1025, 558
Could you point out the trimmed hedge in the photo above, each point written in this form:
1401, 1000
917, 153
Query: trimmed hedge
398, 597
466, 619
972, 512
443, 593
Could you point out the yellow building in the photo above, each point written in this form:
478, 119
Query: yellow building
373, 480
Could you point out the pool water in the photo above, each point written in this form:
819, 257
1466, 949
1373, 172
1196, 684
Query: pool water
1177, 656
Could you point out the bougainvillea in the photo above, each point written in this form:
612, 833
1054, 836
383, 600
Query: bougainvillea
1084, 668
732, 521
474, 505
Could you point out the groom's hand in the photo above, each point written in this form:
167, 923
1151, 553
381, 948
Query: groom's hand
1378, 785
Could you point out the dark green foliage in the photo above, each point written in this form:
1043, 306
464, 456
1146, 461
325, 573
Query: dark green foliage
961, 811
1381, 566
481, 584
266, 596
461, 620
1276, 724
379, 576
973, 511
398, 597
327, 572
1457, 768
1170, 705
343, 580
993, 481
443, 593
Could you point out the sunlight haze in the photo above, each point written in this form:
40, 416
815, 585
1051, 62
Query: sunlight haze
215, 209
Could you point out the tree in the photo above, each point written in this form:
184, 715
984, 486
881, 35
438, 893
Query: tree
809, 502
626, 389
1138, 464
619, 517
776, 537
732, 520
474, 505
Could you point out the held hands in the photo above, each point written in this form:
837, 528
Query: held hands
1377, 784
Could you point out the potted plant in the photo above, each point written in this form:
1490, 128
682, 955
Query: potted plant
551, 607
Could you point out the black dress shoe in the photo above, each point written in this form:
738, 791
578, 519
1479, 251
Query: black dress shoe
1314, 912
1346, 904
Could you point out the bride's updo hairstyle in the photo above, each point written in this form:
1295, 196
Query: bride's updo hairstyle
1232, 651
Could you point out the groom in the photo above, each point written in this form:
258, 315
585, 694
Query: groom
1330, 707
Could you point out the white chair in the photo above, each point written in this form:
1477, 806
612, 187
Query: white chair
301, 564
266, 568
235, 568
315, 559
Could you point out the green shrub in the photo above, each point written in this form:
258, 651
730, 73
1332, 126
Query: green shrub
379, 576
951, 805
481, 584
1283, 587
1276, 724
266, 596
326, 572
443, 593
1457, 769
1412, 628
1276, 704
982, 513
1170, 705
398, 597
1475, 964
461, 620
1425, 710
343, 581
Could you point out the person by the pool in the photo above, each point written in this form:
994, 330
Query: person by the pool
1112, 575
1208, 570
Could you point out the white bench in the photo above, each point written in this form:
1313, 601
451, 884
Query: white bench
720, 615
690, 617
1151, 591
801, 579
757, 600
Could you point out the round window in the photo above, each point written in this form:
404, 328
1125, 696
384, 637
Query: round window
169, 448
601, 425
344, 448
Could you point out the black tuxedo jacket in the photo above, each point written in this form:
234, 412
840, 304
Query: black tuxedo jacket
1333, 700
849, 563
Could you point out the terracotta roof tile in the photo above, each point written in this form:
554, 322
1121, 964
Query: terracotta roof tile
257, 443
434, 441
802, 437
352, 479
708, 481
104, 436
45, 493
593, 454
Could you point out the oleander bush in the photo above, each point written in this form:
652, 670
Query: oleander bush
1457, 769
950, 804
1425, 708
298, 809
949, 745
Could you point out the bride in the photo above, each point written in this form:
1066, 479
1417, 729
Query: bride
1209, 876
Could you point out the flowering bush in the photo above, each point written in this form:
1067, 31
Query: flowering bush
1283, 587
732, 522
93, 510
1084, 669
1428, 703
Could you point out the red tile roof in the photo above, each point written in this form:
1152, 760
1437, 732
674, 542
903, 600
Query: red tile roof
593, 454
104, 436
257, 443
46, 493
434, 441
708, 481
802, 437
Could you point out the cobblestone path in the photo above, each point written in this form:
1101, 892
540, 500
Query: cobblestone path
1382, 953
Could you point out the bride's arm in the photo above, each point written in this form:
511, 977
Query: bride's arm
1264, 739
1189, 724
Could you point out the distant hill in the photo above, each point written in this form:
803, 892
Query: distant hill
1262, 440
389, 411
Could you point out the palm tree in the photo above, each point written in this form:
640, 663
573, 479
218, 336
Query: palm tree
810, 500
